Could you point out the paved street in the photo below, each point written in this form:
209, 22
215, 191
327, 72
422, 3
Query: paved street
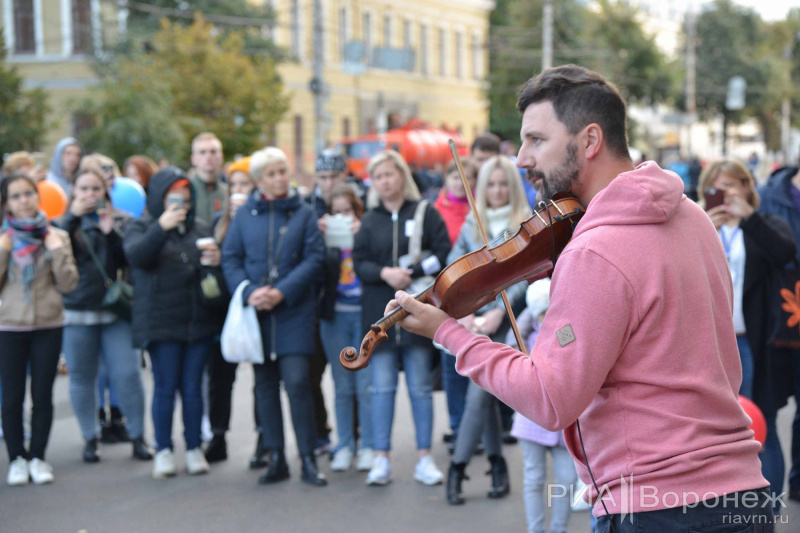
118, 495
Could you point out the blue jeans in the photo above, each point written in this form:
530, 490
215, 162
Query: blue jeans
103, 384
794, 473
417, 365
178, 367
746, 355
345, 330
294, 371
739, 514
773, 466
84, 348
535, 476
455, 388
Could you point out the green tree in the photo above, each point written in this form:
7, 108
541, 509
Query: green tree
609, 40
23, 113
197, 80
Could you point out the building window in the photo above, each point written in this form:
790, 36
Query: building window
387, 31
423, 48
298, 143
406, 34
24, 34
442, 53
477, 57
82, 27
343, 31
366, 30
295, 26
459, 55
345, 127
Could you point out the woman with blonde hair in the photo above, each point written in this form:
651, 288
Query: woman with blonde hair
274, 245
417, 249
103, 165
756, 246
502, 206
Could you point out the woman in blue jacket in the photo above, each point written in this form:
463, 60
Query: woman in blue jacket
274, 244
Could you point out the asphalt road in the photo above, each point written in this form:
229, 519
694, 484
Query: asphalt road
118, 495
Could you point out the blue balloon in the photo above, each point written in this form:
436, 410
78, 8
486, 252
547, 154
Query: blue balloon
128, 196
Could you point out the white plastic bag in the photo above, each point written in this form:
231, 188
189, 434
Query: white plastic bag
241, 334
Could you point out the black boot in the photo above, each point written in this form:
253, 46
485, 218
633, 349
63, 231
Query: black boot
107, 435
118, 425
455, 475
259, 459
499, 472
90, 452
310, 473
217, 449
141, 450
278, 469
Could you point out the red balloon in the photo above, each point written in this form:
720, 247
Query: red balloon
52, 199
759, 424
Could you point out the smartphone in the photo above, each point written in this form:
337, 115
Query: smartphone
714, 198
101, 204
175, 199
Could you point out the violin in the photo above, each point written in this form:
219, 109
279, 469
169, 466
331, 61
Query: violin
472, 281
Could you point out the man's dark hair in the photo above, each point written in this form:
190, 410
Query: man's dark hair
488, 142
580, 97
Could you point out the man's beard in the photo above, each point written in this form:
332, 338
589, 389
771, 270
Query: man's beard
563, 177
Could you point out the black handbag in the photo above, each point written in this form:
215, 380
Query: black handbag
788, 330
118, 297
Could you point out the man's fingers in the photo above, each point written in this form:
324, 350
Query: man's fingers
391, 306
408, 303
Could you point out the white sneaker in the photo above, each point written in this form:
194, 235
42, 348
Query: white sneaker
196, 462
381, 472
365, 458
164, 464
40, 471
342, 460
18, 472
205, 429
427, 473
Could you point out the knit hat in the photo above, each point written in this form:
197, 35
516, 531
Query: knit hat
240, 165
331, 161
538, 296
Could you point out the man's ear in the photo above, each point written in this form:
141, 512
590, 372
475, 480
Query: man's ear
593, 140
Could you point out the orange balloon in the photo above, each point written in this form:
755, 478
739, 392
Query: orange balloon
759, 425
52, 199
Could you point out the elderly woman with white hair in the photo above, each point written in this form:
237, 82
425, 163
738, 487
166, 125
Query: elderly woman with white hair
401, 240
273, 243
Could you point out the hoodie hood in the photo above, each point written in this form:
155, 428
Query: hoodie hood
646, 195
160, 183
56, 167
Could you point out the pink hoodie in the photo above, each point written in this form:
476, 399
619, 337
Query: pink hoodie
639, 343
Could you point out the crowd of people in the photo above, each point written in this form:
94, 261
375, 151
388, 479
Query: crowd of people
332, 257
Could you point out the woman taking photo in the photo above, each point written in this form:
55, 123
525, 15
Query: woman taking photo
756, 247
340, 325
273, 244
501, 204
91, 333
384, 265
36, 268
175, 310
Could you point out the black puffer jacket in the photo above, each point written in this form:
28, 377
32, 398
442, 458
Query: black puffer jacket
168, 303
380, 241
88, 295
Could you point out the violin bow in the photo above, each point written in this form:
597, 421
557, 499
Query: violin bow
479, 222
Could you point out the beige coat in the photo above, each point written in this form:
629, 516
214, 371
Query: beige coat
56, 274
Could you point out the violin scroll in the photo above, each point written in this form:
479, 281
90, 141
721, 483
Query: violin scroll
353, 360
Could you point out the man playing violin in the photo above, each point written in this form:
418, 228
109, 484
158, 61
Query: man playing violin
638, 341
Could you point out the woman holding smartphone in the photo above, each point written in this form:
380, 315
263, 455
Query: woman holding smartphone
756, 247
36, 268
175, 313
91, 333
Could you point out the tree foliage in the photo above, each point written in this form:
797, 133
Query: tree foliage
23, 113
608, 39
194, 79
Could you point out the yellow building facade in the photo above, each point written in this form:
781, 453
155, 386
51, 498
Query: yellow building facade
423, 59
